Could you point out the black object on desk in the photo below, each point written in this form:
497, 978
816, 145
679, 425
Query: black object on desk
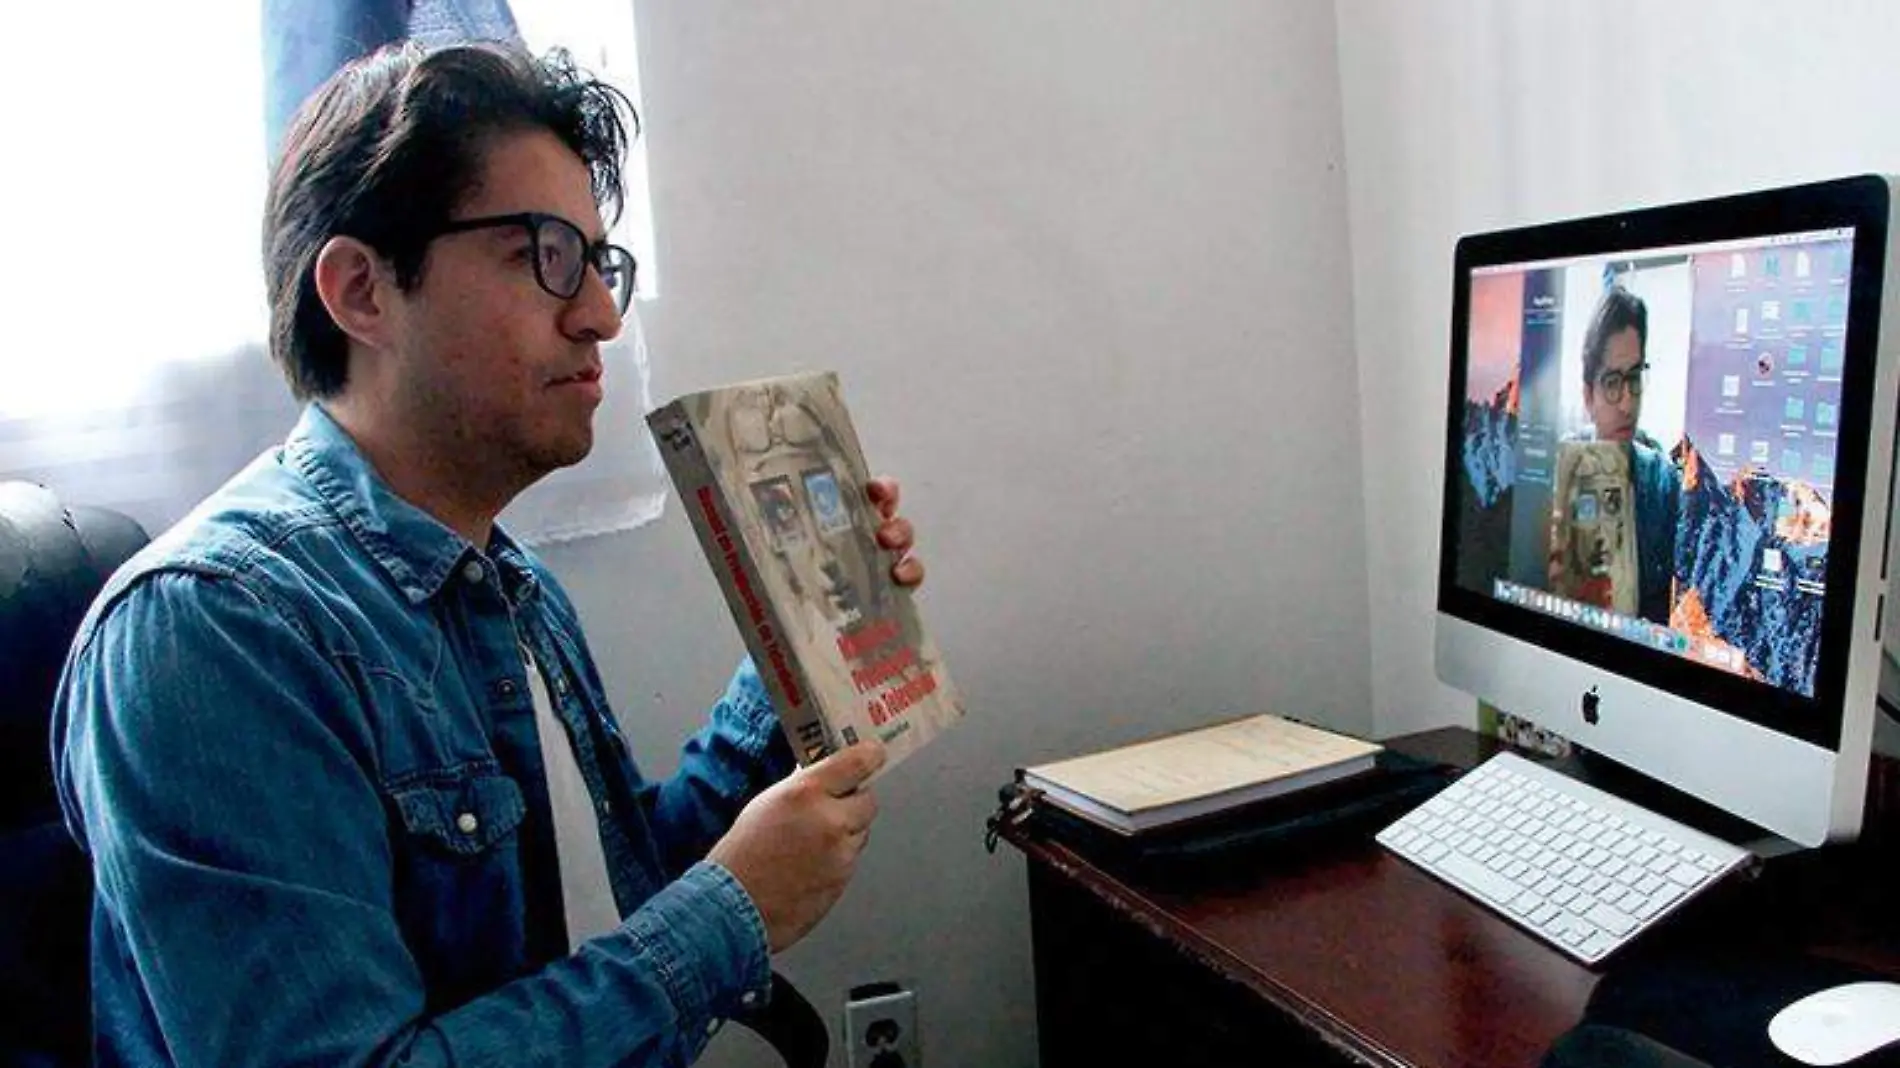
1709, 1006
1196, 849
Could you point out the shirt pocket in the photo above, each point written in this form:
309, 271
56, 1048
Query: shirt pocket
460, 898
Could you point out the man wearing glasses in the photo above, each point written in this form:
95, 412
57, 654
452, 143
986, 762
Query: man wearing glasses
1615, 363
336, 745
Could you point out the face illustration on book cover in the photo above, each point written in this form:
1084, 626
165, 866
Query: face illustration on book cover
820, 528
1592, 541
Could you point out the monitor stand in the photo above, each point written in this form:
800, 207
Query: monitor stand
1665, 800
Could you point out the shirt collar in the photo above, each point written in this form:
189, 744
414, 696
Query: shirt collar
417, 551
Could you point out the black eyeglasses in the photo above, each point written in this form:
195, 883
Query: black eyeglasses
562, 254
1613, 383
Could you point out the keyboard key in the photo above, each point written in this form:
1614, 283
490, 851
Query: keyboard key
1479, 879
1545, 913
1687, 874
1596, 946
1612, 918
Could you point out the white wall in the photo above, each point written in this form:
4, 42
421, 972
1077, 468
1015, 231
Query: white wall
1479, 114
1083, 269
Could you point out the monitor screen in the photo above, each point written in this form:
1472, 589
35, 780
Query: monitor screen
1656, 445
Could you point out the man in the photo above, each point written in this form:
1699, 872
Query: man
1615, 362
336, 745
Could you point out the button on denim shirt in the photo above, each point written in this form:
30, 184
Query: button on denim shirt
296, 738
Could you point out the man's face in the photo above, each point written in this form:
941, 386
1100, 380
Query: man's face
485, 361
1615, 409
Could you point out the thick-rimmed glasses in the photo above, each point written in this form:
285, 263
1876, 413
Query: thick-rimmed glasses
562, 254
1613, 383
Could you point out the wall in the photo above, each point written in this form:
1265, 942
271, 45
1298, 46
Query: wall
1474, 115
1083, 269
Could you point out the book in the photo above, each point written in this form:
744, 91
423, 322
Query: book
1593, 526
1163, 781
772, 476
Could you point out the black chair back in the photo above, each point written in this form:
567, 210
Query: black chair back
53, 560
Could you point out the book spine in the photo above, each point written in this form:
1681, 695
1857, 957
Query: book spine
711, 514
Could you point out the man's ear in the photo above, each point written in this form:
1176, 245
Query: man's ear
356, 288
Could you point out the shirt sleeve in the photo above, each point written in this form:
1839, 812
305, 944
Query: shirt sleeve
219, 769
739, 752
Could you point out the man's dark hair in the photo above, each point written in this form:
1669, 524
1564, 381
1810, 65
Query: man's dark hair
1619, 310
388, 148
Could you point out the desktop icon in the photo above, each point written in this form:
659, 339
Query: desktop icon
1741, 320
1803, 266
1738, 266
1831, 361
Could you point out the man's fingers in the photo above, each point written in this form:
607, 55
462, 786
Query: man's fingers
856, 812
849, 768
908, 572
896, 534
883, 494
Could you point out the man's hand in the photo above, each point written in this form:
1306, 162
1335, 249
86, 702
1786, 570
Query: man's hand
895, 532
795, 846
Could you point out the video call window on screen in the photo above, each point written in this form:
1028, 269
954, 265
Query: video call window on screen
1649, 445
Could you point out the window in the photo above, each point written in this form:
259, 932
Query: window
133, 373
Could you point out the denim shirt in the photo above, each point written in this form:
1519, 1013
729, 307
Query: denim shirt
1658, 488
296, 737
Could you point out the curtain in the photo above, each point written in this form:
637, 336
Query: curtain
133, 373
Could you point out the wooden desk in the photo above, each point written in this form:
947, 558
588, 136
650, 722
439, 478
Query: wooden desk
1344, 954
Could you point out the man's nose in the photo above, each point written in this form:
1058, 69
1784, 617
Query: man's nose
592, 314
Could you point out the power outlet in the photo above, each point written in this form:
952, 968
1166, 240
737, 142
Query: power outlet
880, 1027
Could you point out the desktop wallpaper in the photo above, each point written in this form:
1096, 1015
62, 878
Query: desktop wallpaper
1740, 411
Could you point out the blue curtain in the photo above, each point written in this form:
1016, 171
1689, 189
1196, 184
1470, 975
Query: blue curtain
306, 41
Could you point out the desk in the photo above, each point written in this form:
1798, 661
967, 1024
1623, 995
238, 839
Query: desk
1343, 954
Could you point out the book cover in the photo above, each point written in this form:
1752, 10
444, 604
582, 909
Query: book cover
1165, 780
1593, 526
771, 475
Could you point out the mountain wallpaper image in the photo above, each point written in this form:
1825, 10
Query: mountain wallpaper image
1744, 552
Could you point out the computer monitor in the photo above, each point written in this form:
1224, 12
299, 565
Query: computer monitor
1669, 454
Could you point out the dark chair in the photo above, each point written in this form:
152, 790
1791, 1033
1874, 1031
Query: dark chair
53, 560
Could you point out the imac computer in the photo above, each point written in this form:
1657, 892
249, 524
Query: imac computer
1668, 459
